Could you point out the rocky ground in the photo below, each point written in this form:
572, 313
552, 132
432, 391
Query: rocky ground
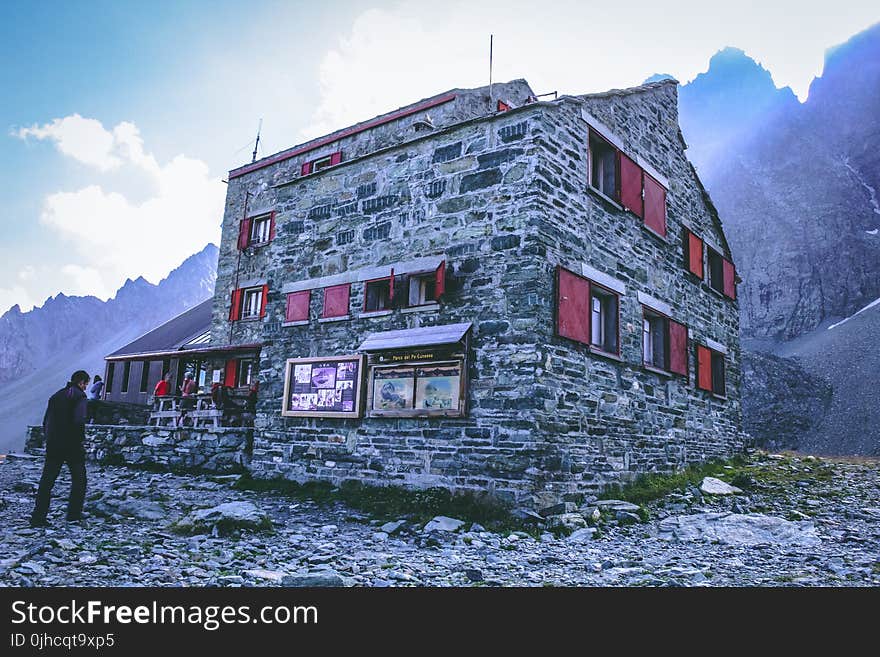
798, 522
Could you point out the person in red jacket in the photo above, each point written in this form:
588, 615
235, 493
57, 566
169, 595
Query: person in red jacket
163, 387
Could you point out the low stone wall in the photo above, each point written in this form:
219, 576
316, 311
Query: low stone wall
105, 412
205, 449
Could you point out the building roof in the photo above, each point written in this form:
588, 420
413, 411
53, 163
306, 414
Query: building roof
174, 334
426, 336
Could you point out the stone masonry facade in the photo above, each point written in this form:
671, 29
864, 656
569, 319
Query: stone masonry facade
503, 197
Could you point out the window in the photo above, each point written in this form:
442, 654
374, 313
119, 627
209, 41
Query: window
111, 370
710, 370
377, 295
587, 312
603, 166
693, 254
260, 230
718, 386
603, 319
248, 303
655, 336
126, 372
722, 274
623, 179
255, 231
323, 162
253, 301
297, 309
145, 375
716, 271
247, 370
422, 289
664, 342
336, 300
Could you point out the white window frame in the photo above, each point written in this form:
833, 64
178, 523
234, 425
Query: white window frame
252, 299
260, 229
322, 163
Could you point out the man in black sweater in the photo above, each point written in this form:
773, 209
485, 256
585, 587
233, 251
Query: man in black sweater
64, 429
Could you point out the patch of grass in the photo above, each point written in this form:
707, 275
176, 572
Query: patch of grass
392, 502
653, 486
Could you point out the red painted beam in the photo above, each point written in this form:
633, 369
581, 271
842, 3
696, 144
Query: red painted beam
336, 136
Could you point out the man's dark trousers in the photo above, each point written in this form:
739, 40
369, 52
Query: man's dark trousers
76, 464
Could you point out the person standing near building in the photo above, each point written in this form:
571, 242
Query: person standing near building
64, 430
163, 387
96, 389
93, 396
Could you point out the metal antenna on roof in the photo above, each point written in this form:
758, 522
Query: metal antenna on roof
257, 145
491, 37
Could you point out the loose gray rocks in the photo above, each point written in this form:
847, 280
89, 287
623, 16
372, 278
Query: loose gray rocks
738, 529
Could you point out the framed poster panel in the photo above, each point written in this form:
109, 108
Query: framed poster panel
323, 387
417, 389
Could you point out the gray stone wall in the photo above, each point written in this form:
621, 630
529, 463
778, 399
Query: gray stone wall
505, 200
201, 449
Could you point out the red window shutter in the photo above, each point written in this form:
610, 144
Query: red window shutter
244, 233
678, 338
336, 301
573, 306
272, 227
263, 300
235, 306
729, 279
391, 287
231, 373
298, 306
440, 281
335, 158
695, 254
306, 169
631, 185
704, 368
655, 205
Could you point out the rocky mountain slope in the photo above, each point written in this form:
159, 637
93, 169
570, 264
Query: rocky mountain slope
781, 400
39, 349
796, 185
846, 355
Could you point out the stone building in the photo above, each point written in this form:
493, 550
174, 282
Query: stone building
485, 292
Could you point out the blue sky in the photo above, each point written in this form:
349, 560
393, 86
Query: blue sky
120, 119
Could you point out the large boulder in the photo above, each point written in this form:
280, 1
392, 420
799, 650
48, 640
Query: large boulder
713, 486
226, 518
738, 529
443, 524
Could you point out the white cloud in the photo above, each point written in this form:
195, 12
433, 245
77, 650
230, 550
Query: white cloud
85, 140
115, 237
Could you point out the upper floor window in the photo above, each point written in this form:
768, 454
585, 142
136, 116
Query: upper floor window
323, 162
336, 299
377, 295
587, 312
711, 370
248, 303
427, 287
260, 230
664, 342
253, 302
297, 309
603, 166
603, 319
254, 231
